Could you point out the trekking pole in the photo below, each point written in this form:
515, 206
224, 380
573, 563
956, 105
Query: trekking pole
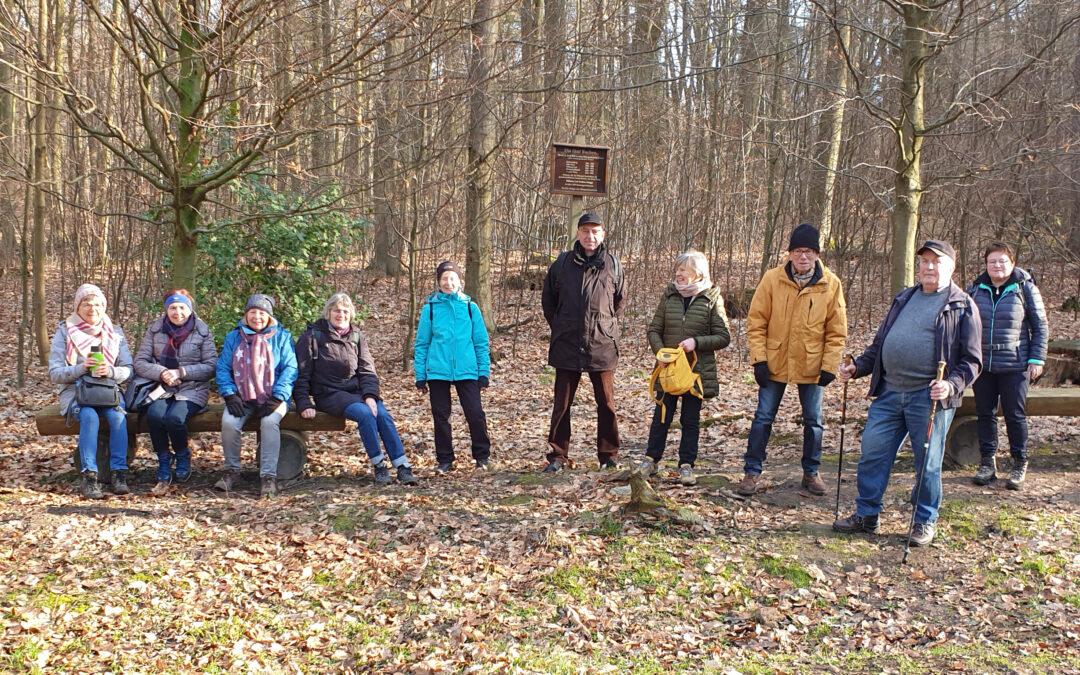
925, 457
843, 425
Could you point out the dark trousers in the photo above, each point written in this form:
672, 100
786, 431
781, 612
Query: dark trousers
468, 392
607, 422
166, 420
691, 428
1012, 388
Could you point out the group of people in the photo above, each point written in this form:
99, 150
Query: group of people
260, 369
991, 336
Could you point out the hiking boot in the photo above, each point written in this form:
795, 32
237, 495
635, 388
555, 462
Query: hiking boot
856, 523
747, 486
226, 481
686, 475
88, 485
405, 475
1017, 475
923, 533
554, 467
813, 484
119, 483
162, 488
987, 472
382, 473
609, 464
648, 468
182, 470
444, 468
268, 487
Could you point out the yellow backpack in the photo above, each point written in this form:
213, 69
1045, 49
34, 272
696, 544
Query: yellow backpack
675, 375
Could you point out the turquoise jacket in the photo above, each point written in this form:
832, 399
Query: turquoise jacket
451, 340
281, 349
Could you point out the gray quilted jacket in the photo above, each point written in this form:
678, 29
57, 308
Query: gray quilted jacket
66, 376
197, 357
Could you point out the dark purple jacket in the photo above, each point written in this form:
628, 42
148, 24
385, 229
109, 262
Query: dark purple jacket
957, 342
582, 300
335, 371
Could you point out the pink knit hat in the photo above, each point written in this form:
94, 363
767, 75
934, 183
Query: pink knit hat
87, 290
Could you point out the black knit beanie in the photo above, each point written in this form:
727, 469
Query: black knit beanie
804, 236
448, 266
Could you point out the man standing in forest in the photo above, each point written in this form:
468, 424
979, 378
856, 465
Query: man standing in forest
933, 321
796, 330
582, 299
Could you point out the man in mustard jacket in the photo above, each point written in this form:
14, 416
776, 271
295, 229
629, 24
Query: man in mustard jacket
796, 330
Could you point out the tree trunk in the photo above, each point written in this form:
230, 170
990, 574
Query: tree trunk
822, 201
386, 258
904, 216
39, 176
481, 158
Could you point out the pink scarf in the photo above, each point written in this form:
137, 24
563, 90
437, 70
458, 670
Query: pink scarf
82, 336
253, 366
690, 290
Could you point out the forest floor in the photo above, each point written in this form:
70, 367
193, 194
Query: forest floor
519, 571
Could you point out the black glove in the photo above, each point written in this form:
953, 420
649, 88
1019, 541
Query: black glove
483, 381
270, 406
422, 385
761, 373
235, 405
825, 379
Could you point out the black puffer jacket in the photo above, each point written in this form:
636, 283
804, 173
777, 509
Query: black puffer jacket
1014, 329
704, 320
582, 298
336, 371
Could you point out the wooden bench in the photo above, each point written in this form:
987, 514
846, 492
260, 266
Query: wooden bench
293, 434
962, 440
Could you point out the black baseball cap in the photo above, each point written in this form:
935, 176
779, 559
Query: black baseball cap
589, 219
942, 248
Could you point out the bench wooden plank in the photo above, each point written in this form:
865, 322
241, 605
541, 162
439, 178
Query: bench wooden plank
1040, 402
51, 423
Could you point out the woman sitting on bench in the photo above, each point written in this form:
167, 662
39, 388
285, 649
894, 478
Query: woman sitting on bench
337, 369
255, 376
178, 351
88, 344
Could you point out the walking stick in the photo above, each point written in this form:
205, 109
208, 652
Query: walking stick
843, 425
925, 457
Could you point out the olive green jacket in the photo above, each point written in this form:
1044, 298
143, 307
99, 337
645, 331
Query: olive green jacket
704, 320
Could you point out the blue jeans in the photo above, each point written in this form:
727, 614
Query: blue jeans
891, 417
166, 419
374, 427
89, 422
769, 398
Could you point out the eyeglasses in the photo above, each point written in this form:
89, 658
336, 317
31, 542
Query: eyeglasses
802, 252
999, 262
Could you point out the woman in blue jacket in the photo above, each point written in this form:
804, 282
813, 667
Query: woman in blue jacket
255, 376
452, 349
1014, 336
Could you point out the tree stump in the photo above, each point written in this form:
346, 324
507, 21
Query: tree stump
1062, 363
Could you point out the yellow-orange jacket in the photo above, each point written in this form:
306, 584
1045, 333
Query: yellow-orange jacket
799, 332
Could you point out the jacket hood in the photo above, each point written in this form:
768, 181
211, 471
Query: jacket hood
251, 331
1018, 276
439, 296
323, 325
